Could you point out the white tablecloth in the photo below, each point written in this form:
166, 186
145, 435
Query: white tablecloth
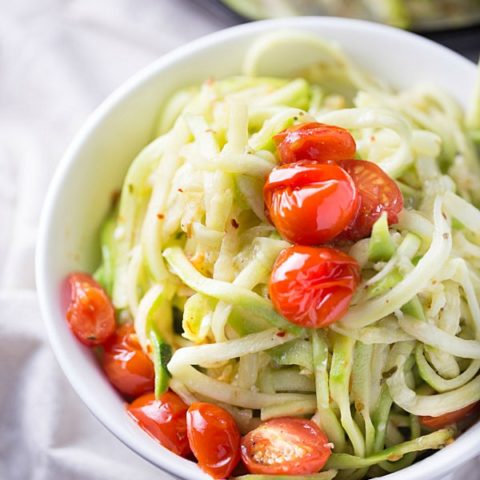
58, 61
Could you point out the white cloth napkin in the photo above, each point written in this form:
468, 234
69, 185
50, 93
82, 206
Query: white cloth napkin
58, 60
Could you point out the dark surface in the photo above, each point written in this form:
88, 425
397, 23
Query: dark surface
465, 40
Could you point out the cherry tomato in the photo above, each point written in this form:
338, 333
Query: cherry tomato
378, 193
288, 446
90, 314
314, 141
214, 438
310, 203
311, 286
127, 366
164, 419
448, 418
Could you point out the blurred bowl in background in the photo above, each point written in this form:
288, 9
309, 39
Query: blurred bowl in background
420, 15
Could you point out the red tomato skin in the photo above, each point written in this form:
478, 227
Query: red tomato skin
310, 203
163, 419
313, 286
214, 438
442, 421
314, 141
126, 365
90, 314
310, 446
377, 193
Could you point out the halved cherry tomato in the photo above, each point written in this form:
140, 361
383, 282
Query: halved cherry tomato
214, 438
127, 366
164, 419
310, 203
90, 314
312, 287
378, 193
314, 141
288, 446
448, 418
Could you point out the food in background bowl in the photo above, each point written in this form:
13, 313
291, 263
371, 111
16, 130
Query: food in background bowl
424, 14
308, 251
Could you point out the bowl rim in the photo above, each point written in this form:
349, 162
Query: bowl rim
460, 451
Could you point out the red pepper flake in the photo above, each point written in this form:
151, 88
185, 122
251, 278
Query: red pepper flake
160, 216
281, 334
235, 224
115, 197
180, 190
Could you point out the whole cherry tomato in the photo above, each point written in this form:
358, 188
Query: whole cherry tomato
90, 314
310, 203
451, 417
314, 141
378, 193
164, 419
214, 438
311, 286
127, 366
285, 446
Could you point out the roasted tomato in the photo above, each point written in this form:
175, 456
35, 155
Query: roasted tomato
214, 439
452, 417
310, 203
127, 366
377, 192
164, 419
90, 314
314, 141
311, 286
286, 446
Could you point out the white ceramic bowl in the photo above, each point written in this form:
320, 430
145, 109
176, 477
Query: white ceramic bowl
96, 161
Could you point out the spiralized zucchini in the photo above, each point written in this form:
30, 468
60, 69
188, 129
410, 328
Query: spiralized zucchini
190, 235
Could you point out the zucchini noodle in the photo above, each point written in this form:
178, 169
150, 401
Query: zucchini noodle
187, 255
